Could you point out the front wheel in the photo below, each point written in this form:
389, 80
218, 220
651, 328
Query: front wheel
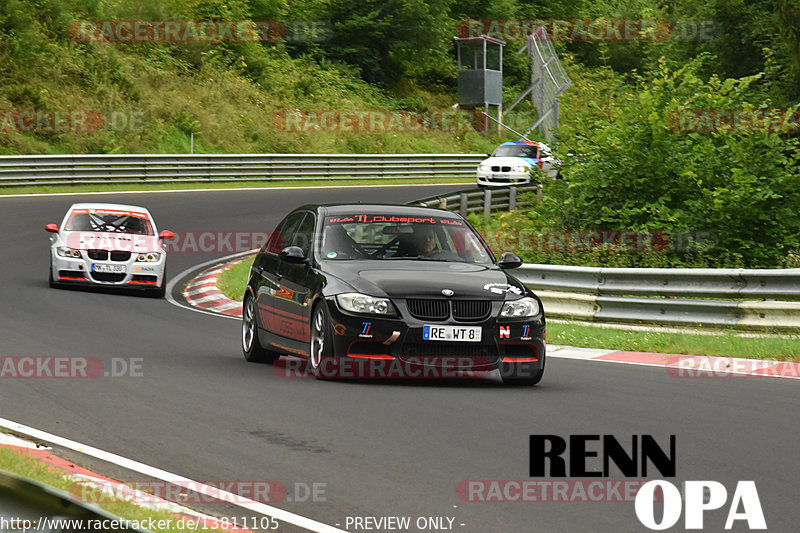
251, 347
521, 374
320, 354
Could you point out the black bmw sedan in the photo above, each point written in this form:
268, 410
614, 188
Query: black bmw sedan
390, 291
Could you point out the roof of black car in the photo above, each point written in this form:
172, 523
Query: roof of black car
408, 210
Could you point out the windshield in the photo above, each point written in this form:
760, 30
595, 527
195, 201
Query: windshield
109, 221
388, 237
515, 150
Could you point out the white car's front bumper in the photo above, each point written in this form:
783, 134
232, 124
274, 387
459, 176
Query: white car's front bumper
85, 270
501, 179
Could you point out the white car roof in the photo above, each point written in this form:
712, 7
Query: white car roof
119, 207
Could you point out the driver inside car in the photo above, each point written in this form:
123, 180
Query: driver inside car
419, 244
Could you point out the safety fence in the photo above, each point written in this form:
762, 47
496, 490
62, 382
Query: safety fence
23, 170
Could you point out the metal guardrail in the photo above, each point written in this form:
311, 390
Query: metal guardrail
21, 170
659, 295
481, 200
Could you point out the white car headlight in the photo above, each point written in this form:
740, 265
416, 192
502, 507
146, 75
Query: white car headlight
520, 168
63, 251
485, 168
361, 303
524, 307
149, 257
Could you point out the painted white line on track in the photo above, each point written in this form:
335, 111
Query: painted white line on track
377, 186
141, 468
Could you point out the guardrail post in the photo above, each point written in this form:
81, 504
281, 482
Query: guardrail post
512, 198
487, 204
462, 204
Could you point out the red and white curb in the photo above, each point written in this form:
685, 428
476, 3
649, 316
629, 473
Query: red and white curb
202, 292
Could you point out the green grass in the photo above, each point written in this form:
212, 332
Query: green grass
31, 468
723, 343
233, 281
144, 186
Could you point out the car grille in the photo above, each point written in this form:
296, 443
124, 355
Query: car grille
501, 169
448, 353
430, 309
471, 309
97, 255
102, 255
441, 309
108, 276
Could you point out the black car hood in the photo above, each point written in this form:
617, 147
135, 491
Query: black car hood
416, 278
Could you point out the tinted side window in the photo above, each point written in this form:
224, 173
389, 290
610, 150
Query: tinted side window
283, 233
304, 234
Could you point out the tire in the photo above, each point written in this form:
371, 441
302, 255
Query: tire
251, 346
321, 359
521, 374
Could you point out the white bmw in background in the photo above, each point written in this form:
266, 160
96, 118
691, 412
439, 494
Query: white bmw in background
108, 245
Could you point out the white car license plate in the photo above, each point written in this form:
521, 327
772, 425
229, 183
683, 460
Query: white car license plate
109, 269
452, 333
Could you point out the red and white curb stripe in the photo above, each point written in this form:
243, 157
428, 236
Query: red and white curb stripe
202, 292
684, 366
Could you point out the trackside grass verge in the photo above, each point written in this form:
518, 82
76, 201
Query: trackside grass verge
233, 281
723, 343
29, 467
177, 185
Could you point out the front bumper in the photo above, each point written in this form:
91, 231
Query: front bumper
383, 344
84, 271
500, 179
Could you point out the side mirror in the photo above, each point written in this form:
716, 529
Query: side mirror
166, 235
51, 228
509, 260
488, 155
293, 254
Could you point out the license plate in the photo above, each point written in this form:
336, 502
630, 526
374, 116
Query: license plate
109, 269
452, 333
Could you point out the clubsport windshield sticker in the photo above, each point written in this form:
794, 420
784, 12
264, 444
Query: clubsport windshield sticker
392, 219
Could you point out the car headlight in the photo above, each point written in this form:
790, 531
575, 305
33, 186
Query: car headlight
63, 251
149, 257
524, 307
361, 303
485, 168
520, 168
